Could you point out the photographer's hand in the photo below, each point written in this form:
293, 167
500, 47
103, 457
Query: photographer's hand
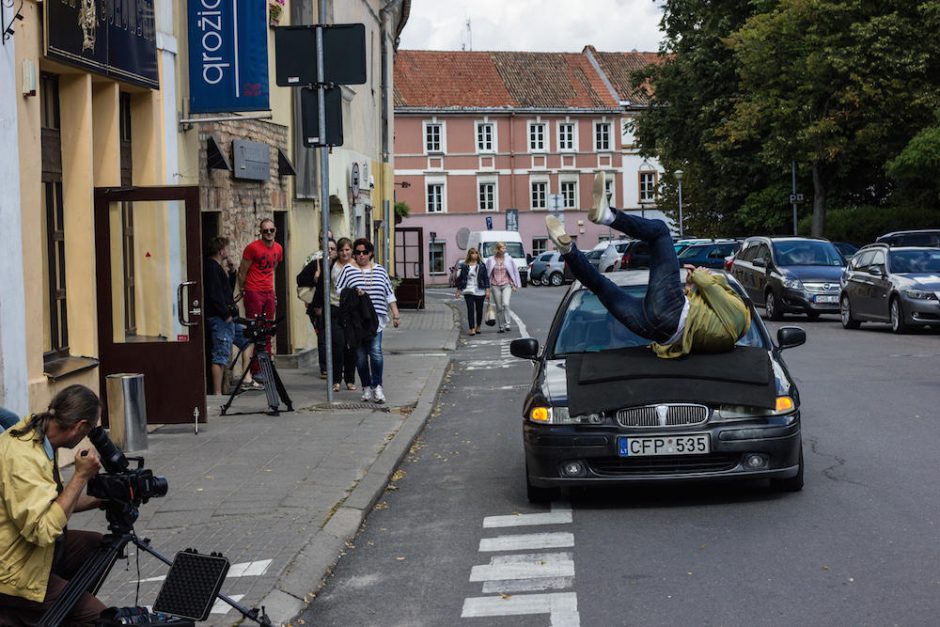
87, 465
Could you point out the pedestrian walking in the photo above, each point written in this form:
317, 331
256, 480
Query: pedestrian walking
372, 280
474, 283
220, 309
705, 316
344, 353
504, 281
256, 276
310, 284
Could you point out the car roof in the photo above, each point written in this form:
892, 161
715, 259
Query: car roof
889, 246
909, 232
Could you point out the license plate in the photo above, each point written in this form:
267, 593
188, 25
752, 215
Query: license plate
690, 444
826, 299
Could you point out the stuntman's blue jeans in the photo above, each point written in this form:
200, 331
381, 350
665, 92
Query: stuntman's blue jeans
656, 315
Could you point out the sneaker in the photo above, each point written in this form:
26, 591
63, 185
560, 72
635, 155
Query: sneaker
377, 395
367, 394
556, 231
600, 212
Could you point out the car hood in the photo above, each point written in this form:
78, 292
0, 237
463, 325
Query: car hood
927, 281
814, 273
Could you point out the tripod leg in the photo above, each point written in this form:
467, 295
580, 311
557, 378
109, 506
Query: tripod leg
270, 391
238, 386
88, 579
281, 390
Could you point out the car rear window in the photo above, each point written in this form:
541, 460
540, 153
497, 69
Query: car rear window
588, 327
691, 251
594, 254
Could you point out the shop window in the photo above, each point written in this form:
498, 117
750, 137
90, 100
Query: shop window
436, 256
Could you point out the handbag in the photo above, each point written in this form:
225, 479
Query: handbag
305, 293
490, 316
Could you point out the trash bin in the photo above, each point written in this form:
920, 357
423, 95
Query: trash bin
127, 411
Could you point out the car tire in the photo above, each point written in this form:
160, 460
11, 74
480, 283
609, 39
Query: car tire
556, 279
536, 494
898, 324
790, 484
845, 313
544, 280
771, 308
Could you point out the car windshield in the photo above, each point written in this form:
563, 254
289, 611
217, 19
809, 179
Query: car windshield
807, 253
588, 327
914, 261
691, 251
513, 249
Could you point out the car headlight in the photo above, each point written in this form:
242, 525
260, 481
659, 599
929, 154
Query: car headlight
784, 405
919, 294
561, 416
793, 284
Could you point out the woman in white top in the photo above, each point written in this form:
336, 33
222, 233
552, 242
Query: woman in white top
504, 280
474, 284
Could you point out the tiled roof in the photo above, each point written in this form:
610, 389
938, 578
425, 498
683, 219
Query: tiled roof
619, 68
462, 79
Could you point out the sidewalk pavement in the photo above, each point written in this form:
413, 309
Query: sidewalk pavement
280, 496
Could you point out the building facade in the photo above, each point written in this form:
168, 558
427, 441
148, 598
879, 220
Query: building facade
502, 138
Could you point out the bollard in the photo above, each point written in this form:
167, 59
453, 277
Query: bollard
127, 411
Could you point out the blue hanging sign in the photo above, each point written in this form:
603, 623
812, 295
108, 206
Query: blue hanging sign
228, 56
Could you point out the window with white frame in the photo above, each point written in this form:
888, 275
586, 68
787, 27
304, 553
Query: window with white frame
486, 195
433, 137
569, 194
436, 256
435, 197
566, 136
539, 245
485, 137
610, 190
647, 187
602, 136
539, 194
537, 136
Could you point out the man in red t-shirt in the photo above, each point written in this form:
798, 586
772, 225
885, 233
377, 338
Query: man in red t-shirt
256, 274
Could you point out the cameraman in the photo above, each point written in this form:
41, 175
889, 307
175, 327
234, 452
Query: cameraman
37, 552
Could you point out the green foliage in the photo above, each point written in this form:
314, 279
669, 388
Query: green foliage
402, 210
917, 167
862, 224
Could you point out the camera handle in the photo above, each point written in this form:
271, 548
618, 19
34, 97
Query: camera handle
95, 570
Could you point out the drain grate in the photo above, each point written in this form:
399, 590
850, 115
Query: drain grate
354, 405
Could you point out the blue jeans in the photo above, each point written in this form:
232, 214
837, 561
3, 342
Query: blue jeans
656, 315
370, 362
224, 334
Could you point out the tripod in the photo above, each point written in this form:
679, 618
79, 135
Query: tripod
93, 572
274, 389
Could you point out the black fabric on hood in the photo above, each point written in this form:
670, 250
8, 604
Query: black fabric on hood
628, 377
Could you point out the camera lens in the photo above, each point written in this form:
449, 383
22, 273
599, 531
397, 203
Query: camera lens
112, 459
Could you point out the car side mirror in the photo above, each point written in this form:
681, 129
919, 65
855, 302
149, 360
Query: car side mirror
876, 271
524, 348
760, 263
790, 337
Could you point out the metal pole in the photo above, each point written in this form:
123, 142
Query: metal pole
324, 205
793, 177
681, 225
387, 224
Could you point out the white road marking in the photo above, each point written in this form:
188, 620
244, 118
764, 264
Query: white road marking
539, 584
523, 331
242, 569
493, 363
561, 606
221, 607
531, 566
525, 520
527, 541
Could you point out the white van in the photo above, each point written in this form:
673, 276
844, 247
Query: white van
485, 242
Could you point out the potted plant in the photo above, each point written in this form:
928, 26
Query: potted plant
275, 10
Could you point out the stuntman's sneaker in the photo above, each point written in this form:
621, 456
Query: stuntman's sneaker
600, 212
556, 232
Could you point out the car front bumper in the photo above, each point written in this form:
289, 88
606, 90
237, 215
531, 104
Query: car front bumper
799, 301
920, 311
551, 448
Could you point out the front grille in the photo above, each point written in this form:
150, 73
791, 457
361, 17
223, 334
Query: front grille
832, 287
656, 416
662, 465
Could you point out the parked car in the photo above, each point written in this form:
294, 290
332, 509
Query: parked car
711, 255
682, 244
790, 275
547, 269
455, 273
687, 432
636, 254
921, 237
846, 249
611, 254
895, 285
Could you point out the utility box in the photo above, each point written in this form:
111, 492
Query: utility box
127, 411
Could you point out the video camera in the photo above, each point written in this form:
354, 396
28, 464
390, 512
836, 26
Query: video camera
258, 328
123, 488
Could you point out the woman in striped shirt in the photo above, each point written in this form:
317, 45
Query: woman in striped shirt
373, 280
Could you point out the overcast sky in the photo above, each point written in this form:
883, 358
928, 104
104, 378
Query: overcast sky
533, 25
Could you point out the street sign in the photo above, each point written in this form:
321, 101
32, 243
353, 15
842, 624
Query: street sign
344, 54
489, 223
794, 198
310, 112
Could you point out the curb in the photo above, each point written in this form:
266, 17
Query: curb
313, 563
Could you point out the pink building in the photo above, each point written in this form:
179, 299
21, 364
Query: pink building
506, 135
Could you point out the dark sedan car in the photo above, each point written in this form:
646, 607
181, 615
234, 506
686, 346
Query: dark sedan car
900, 286
790, 275
709, 255
603, 409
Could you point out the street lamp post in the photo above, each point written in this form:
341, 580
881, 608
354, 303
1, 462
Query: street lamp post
679, 174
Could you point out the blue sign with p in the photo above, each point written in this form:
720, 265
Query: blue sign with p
489, 223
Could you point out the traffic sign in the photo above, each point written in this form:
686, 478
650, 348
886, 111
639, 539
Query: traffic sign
344, 54
489, 223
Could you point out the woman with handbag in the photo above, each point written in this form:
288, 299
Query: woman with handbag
474, 283
504, 281
310, 291
344, 355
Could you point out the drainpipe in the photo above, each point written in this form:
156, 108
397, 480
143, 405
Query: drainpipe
512, 159
386, 204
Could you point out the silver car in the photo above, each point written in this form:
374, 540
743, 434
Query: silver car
547, 269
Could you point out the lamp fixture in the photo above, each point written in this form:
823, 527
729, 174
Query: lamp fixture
7, 26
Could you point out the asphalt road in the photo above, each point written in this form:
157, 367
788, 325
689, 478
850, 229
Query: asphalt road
454, 541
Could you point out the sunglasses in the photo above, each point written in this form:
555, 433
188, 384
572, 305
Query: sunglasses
361, 252
267, 231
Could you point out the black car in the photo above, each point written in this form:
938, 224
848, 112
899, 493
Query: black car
709, 255
790, 275
603, 409
896, 285
635, 255
921, 237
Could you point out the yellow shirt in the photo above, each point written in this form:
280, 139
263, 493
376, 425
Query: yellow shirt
30, 519
717, 318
